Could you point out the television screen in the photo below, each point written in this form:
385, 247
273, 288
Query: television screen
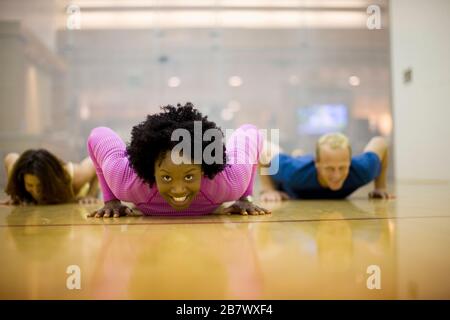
321, 119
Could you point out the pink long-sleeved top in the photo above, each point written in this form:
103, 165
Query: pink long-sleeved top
118, 180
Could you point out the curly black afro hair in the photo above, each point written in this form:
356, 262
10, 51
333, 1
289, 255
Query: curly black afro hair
151, 139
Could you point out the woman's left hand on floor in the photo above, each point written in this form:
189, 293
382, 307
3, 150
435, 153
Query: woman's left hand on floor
88, 200
245, 208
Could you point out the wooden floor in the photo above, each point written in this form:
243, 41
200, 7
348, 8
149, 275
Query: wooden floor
305, 249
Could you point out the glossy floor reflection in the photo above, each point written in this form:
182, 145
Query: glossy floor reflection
304, 250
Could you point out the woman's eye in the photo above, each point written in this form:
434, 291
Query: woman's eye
167, 178
189, 177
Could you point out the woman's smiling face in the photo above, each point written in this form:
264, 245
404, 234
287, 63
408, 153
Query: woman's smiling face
178, 184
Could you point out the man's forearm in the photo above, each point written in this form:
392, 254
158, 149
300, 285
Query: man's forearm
266, 183
381, 180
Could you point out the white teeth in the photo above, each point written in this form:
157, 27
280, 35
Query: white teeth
181, 199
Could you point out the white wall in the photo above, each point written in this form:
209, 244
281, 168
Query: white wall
42, 17
420, 40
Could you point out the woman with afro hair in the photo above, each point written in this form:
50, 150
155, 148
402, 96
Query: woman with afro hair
147, 172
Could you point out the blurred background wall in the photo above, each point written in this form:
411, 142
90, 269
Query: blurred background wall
304, 67
421, 95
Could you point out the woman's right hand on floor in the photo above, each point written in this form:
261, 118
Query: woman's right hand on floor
11, 202
273, 195
111, 209
6, 202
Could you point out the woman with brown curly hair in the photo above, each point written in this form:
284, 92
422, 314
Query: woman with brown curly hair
39, 177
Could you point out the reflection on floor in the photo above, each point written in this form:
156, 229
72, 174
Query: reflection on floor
305, 249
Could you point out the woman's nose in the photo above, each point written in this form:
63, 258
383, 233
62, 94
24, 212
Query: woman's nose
178, 189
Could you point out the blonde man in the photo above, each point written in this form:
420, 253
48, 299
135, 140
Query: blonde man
332, 174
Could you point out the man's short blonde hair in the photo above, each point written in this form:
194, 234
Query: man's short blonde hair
334, 140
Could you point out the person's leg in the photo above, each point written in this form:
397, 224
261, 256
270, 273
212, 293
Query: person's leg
84, 174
